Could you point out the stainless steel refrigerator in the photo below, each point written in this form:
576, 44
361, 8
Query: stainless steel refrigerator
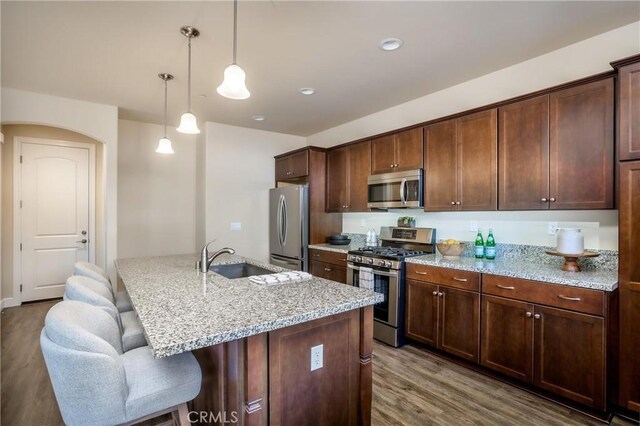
289, 226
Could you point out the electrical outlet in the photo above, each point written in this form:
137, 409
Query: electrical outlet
552, 228
363, 222
317, 360
473, 226
236, 226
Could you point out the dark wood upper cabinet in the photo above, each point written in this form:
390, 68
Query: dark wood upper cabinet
507, 337
581, 147
422, 312
440, 180
459, 320
396, 152
569, 355
294, 165
461, 163
347, 171
629, 276
478, 161
629, 111
523, 164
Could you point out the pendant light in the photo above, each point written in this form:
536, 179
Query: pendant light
188, 123
233, 85
164, 144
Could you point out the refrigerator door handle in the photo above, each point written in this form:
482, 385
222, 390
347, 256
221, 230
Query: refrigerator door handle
285, 225
279, 221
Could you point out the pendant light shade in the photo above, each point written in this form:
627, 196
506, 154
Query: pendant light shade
164, 144
188, 122
233, 86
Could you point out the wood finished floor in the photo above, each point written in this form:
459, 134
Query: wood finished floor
410, 386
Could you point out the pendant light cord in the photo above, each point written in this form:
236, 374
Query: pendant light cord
235, 28
165, 108
189, 79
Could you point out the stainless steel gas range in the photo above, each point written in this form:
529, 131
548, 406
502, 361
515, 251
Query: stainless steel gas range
382, 269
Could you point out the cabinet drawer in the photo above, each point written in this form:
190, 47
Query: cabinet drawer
452, 277
562, 296
325, 256
328, 271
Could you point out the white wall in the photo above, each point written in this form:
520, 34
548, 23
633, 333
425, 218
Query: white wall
97, 121
239, 172
156, 192
581, 59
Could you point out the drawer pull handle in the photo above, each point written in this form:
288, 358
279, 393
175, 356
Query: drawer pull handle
421, 273
327, 269
505, 287
462, 280
573, 299
343, 260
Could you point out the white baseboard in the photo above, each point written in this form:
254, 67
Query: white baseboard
8, 302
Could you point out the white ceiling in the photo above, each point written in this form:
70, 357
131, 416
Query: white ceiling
111, 52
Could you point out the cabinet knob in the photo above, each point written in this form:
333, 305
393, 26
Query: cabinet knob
528, 314
453, 203
391, 165
395, 165
537, 316
440, 294
458, 203
543, 200
435, 293
552, 199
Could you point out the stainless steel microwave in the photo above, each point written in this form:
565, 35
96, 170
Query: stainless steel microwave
395, 190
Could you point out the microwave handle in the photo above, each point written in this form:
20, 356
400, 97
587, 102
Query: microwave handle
403, 195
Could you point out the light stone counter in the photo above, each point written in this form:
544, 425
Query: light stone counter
598, 279
182, 309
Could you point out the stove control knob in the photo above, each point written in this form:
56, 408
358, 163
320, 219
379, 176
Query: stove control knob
358, 258
388, 264
370, 261
381, 263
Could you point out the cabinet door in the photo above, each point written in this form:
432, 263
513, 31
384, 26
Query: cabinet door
422, 312
359, 167
282, 168
459, 322
337, 180
523, 166
409, 149
440, 187
299, 164
629, 111
478, 161
383, 154
569, 355
507, 337
581, 147
629, 274
328, 271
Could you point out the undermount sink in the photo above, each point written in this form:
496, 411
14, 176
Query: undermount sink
239, 270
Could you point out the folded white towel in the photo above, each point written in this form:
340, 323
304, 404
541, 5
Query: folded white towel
282, 277
365, 278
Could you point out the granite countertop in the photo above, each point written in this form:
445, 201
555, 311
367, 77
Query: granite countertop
182, 309
598, 279
337, 249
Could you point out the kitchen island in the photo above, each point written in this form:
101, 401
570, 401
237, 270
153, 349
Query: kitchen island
254, 342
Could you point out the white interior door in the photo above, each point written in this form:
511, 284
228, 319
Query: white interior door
54, 216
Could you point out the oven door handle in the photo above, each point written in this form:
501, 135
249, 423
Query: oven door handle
375, 271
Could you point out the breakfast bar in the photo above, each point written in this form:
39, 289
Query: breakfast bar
254, 342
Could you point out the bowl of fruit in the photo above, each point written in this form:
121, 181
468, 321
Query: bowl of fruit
450, 248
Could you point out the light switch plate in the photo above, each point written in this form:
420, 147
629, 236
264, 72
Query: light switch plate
553, 228
317, 360
473, 226
236, 226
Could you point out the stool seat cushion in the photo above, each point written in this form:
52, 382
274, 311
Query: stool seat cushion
155, 384
132, 331
123, 303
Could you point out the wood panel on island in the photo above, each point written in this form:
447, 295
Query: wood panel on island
532, 331
460, 160
443, 309
308, 166
348, 168
329, 265
397, 151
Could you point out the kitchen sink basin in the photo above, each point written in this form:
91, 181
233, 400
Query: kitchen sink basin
239, 270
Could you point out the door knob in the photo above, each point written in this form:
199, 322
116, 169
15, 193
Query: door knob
83, 241
84, 232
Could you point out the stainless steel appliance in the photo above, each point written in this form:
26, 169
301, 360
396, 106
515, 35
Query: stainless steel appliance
388, 268
289, 226
395, 190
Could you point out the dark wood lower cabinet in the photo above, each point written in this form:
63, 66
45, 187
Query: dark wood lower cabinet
444, 317
507, 337
630, 347
570, 355
328, 271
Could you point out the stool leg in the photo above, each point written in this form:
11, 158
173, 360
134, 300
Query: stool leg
183, 415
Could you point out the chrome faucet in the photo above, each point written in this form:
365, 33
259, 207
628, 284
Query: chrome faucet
205, 259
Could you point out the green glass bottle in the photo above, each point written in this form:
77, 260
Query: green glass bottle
479, 248
490, 246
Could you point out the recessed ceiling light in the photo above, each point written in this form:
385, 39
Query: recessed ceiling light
389, 44
307, 91
258, 117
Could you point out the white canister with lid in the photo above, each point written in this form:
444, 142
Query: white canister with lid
570, 241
